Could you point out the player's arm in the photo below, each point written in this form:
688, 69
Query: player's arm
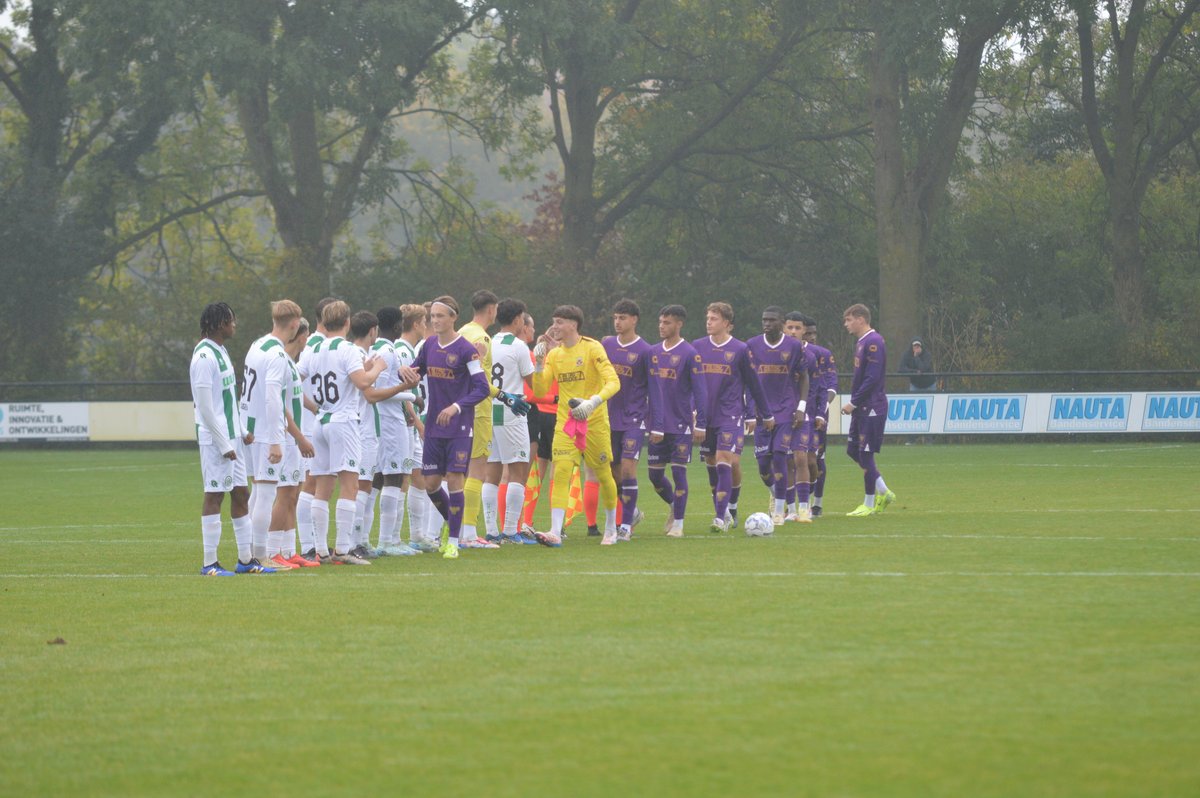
276, 378
803, 383
412, 373
604, 383
657, 415
293, 429
872, 375
545, 369
477, 393
699, 391
829, 379
361, 373
203, 381
754, 388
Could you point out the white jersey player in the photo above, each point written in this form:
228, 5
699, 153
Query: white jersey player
511, 367
338, 375
218, 433
264, 420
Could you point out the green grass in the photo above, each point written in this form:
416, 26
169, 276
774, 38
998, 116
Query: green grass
1025, 621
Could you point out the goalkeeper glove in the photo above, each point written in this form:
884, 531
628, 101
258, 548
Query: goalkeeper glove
515, 403
581, 411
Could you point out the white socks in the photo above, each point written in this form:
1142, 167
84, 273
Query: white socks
491, 507
243, 533
514, 504
391, 510
344, 523
304, 522
418, 511
557, 518
260, 515
320, 526
210, 532
880, 485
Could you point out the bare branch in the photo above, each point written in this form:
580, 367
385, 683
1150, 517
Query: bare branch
170, 218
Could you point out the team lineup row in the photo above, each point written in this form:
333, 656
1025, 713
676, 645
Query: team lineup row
401, 407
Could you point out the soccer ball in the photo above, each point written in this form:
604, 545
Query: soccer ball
759, 525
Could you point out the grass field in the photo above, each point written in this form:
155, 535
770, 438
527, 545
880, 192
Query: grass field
1025, 621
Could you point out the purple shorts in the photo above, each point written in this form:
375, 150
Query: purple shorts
776, 440
866, 433
805, 439
723, 439
674, 449
627, 444
446, 456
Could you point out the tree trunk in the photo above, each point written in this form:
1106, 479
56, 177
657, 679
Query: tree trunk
1129, 292
899, 228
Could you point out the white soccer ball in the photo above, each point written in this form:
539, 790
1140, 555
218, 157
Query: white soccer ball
759, 525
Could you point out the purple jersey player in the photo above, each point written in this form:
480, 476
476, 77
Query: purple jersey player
677, 392
783, 371
827, 388
456, 384
729, 376
629, 408
867, 408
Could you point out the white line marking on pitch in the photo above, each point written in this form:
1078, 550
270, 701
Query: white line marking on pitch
130, 467
1133, 448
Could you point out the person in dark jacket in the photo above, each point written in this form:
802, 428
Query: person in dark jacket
919, 363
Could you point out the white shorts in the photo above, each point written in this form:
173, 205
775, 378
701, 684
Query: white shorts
291, 472
510, 442
395, 448
258, 464
418, 450
221, 474
338, 447
370, 453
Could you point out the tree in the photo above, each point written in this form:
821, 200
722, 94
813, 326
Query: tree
1145, 76
317, 88
86, 96
920, 99
613, 71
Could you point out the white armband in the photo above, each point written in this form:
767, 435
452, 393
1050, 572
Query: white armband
803, 404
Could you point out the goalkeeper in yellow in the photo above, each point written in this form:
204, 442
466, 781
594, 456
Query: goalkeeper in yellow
586, 379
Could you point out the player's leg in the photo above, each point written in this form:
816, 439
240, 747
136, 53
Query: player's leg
631, 453
735, 488
214, 470
565, 458
477, 471
491, 489
874, 444
724, 459
855, 441
779, 445
512, 447
598, 454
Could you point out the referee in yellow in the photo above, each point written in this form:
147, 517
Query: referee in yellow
586, 379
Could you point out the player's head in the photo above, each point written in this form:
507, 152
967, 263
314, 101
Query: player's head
793, 325
364, 326
335, 317
625, 316
856, 319
319, 315
527, 335
416, 319
443, 313
296, 345
772, 321
567, 322
484, 303
217, 321
390, 319
670, 321
810, 329
510, 313
718, 318
284, 315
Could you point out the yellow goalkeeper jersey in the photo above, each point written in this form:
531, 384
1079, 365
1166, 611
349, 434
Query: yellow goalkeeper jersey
582, 371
